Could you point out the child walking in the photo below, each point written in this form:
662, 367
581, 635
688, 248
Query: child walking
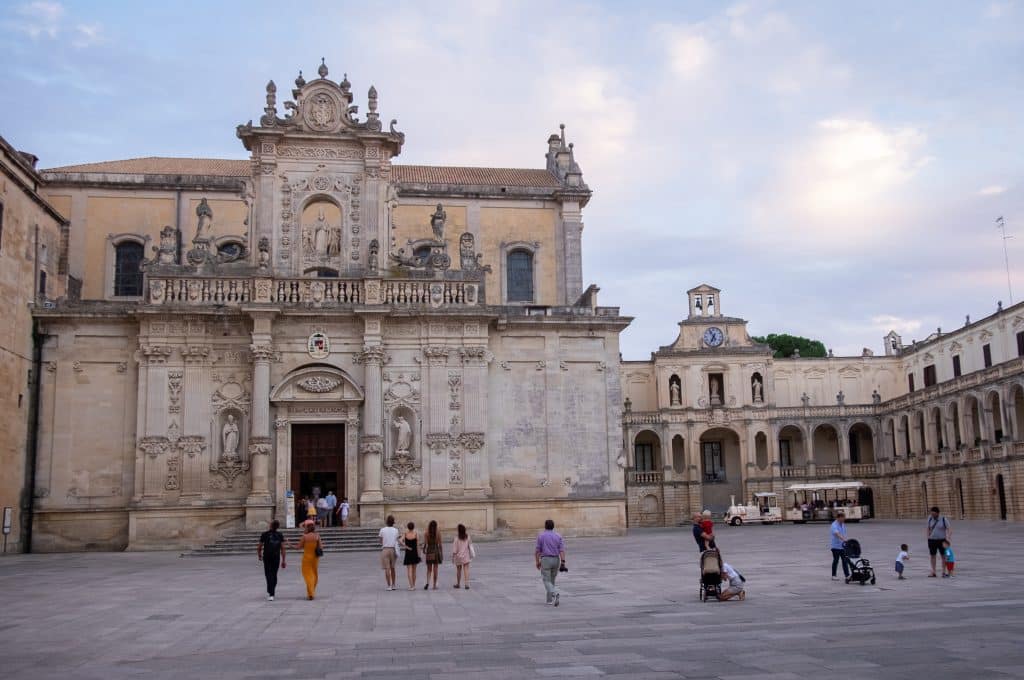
901, 559
949, 559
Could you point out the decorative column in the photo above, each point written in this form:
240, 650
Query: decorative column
259, 505
473, 437
192, 442
809, 449
283, 430
372, 446
154, 442
843, 432
444, 474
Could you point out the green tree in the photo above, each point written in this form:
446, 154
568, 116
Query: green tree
784, 345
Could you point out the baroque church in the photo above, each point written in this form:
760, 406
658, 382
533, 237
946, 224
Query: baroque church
416, 338
205, 341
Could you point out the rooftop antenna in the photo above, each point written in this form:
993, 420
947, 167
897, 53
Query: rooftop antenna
1001, 226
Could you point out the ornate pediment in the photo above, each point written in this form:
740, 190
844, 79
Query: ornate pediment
322, 106
317, 383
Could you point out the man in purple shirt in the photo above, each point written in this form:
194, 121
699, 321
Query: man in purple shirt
550, 556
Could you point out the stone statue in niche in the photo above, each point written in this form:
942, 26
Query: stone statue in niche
675, 394
715, 396
437, 221
757, 388
321, 234
264, 247
372, 261
876, 398
403, 436
204, 215
229, 437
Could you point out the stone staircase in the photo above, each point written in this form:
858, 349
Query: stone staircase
335, 539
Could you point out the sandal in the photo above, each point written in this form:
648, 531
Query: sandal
466, 586
426, 586
456, 586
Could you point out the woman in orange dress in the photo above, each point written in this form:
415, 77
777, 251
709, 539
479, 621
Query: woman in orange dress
309, 543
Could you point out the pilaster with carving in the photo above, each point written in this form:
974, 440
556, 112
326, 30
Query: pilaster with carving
259, 504
195, 417
475, 359
372, 447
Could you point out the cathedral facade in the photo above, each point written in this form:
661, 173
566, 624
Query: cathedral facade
417, 339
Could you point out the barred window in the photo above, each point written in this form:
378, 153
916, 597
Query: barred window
520, 276
127, 272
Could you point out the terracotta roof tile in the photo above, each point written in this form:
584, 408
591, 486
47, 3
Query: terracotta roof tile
154, 165
443, 174
413, 174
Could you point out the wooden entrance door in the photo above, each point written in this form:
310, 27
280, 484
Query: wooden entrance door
318, 459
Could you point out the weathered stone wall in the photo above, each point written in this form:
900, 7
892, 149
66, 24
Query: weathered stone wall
32, 241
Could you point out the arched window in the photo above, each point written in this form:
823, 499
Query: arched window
42, 284
520, 276
127, 272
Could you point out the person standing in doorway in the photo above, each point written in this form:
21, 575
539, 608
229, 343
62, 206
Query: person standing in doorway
549, 555
343, 511
321, 511
389, 551
332, 503
938, 531
270, 551
433, 553
462, 555
311, 547
837, 535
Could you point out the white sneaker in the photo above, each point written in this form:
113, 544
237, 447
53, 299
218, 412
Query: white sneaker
270, 598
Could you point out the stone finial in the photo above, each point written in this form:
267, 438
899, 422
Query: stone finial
967, 320
323, 68
372, 99
999, 306
561, 127
270, 110
344, 84
300, 81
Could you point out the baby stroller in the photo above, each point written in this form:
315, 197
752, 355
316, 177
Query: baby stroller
710, 575
860, 567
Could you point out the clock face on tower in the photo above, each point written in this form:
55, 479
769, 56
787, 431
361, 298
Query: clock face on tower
713, 337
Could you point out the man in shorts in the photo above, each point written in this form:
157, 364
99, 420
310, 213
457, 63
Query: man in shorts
389, 551
938, 531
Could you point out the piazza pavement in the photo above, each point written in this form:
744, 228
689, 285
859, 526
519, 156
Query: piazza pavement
630, 609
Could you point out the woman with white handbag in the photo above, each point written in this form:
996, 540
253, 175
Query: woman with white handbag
463, 553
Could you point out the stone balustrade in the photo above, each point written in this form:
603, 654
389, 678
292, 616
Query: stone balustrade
638, 477
863, 470
315, 292
788, 471
829, 470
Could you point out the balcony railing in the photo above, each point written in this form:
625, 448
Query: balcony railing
828, 470
318, 292
793, 471
863, 470
640, 477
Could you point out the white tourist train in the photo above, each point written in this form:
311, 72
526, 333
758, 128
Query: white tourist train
763, 508
820, 501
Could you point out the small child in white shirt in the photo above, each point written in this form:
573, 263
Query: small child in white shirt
900, 559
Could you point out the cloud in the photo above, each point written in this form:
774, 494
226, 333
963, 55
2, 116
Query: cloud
87, 35
840, 184
38, 19
689, 52
993, 190
997, 10
885, 323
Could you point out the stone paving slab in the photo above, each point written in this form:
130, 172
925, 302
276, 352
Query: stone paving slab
629, 609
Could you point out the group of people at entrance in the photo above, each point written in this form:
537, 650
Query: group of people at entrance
428, 548
326, 511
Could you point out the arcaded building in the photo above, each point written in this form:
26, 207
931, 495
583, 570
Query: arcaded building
316, 316
713, 416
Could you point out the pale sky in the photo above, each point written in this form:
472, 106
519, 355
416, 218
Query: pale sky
835, 168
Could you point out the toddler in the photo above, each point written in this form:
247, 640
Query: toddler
707, 526
901, 559
948, 559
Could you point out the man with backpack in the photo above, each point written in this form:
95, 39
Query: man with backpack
270, 552
938, 531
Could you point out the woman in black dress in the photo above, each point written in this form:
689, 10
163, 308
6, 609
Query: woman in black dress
433, 552
410, 539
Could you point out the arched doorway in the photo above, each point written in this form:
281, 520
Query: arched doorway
1001, 492
960, 497
317, 427
995, 407
792, 456
1017, 395
826, 447
647, 452
866, 500
721, 471
862, 444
